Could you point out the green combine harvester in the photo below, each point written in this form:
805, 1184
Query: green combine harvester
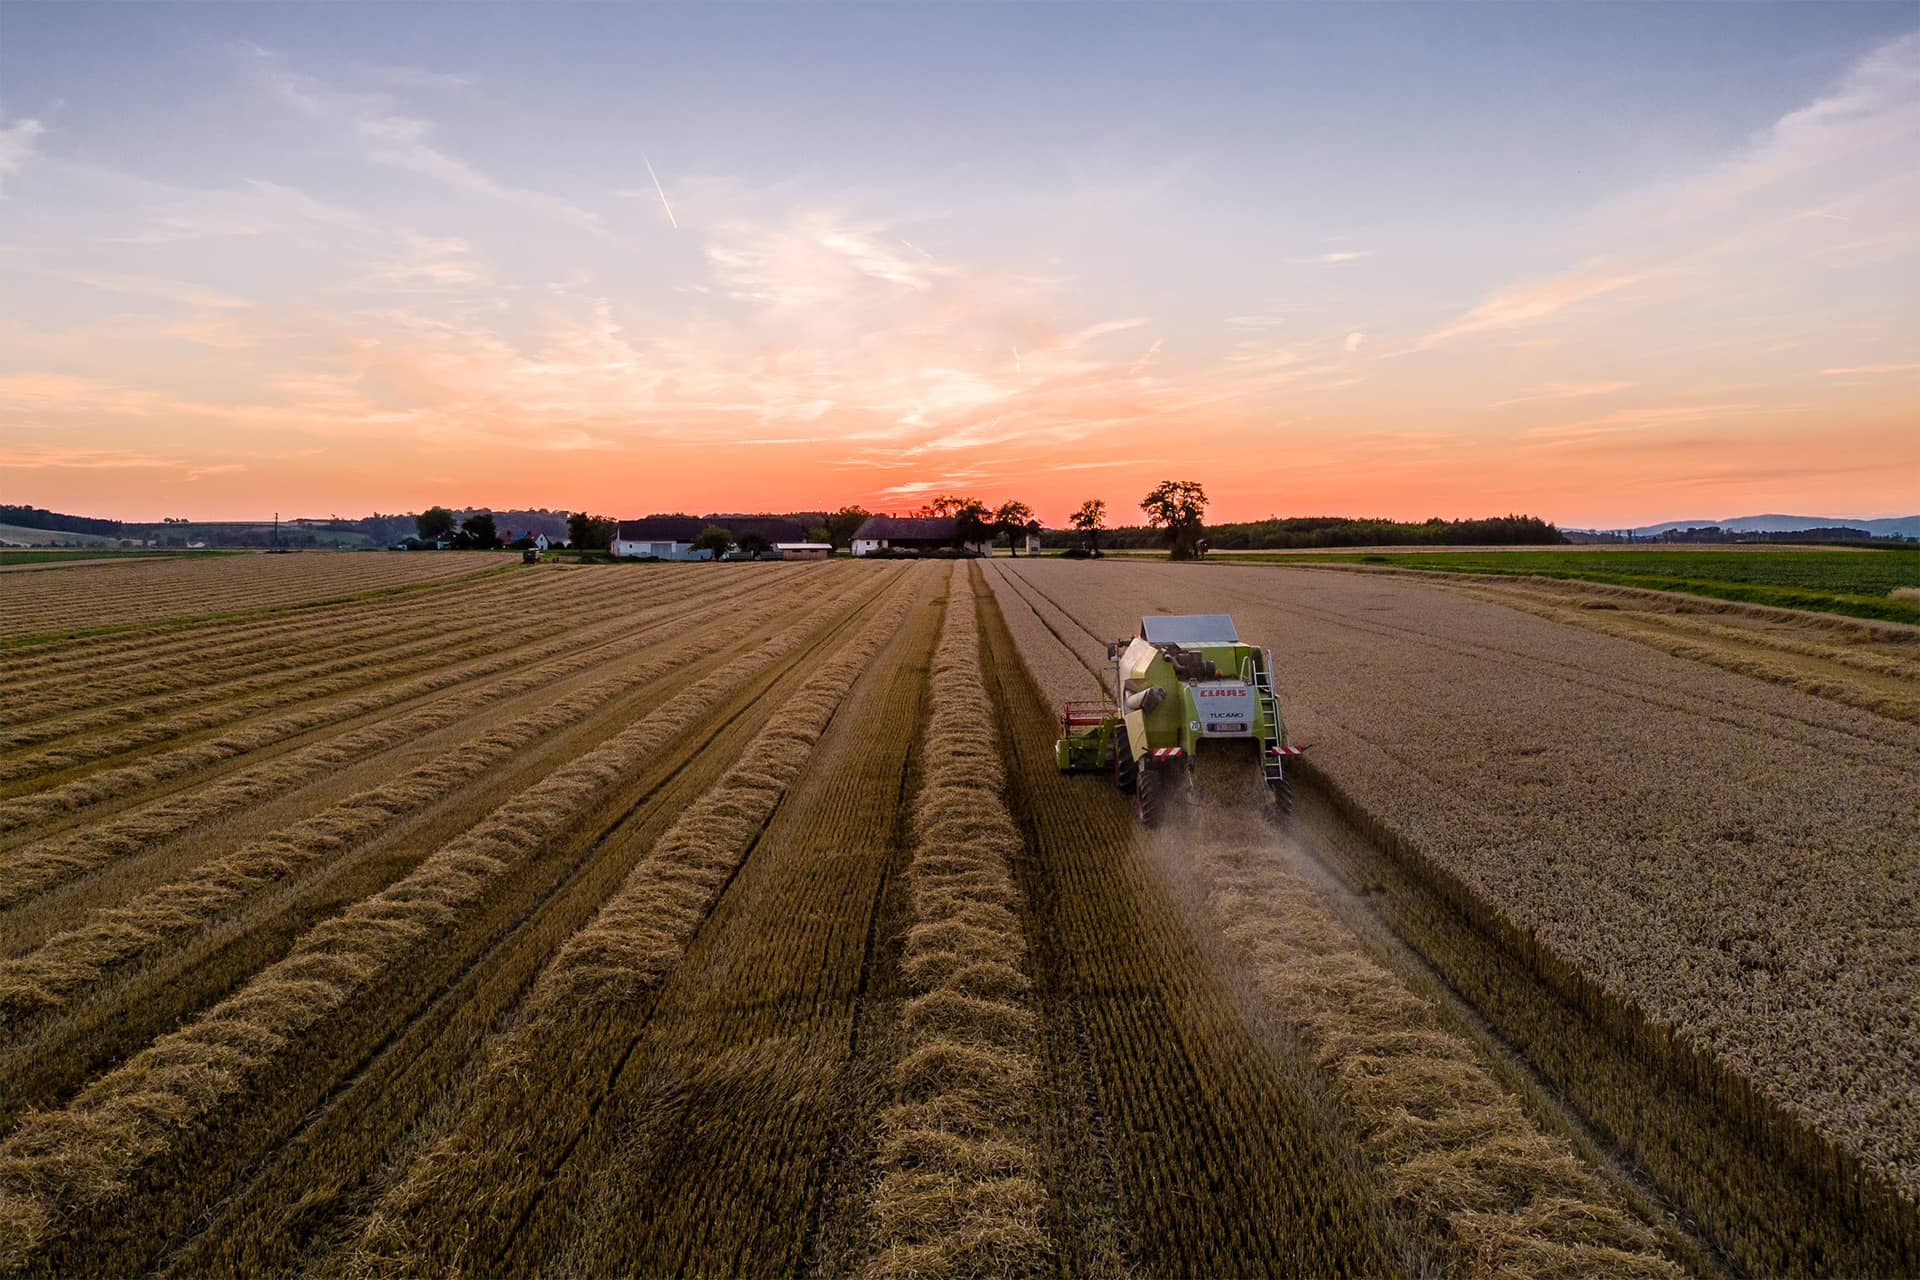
1183, 685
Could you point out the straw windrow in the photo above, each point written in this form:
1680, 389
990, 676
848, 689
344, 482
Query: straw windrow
958, 1192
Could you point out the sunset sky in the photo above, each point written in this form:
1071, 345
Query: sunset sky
1606, 263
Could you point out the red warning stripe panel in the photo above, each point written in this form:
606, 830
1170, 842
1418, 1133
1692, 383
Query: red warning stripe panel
1162, 753
1288, 751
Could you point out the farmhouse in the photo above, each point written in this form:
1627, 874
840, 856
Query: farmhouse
913, 533
672, 537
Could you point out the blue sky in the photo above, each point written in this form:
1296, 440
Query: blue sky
1600, 261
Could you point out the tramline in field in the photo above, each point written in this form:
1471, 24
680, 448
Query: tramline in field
1180, 683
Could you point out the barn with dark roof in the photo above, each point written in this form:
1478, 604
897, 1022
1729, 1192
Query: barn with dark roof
912, 533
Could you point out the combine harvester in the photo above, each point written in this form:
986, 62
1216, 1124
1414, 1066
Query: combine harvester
1184, 681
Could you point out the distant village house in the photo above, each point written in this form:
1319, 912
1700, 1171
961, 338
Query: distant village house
672, 537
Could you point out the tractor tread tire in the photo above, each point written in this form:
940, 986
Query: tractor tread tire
1126, 770
1150, 798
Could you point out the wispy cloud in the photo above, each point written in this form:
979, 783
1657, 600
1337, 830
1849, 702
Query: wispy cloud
402, 141
1861, 370
1647, 419
1531, 303
183, 292
57, 457
401, 77
1333, 259
1566, 391
435, 263
19, 142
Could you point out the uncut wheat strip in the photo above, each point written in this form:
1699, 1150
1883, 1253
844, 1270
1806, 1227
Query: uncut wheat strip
147, 682
1741, 651
1798, 635
52, 976
459, 637
112, 783
1856, 629
33, 868
497, 1152
60, 1166
958, 1191
1722, 916
1456, 1148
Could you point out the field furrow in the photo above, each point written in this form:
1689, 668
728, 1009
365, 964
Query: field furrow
63, 801
575, 1035
68, 964
159, 684
47, 607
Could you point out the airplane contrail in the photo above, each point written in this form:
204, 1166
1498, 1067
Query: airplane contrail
662, 190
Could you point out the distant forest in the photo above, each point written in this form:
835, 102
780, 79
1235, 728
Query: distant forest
41, 518
1333, 531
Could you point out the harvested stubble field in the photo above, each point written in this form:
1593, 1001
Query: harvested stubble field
727, 919
1686, 897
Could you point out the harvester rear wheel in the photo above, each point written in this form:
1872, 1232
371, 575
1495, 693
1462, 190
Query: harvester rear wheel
1126, 770
1280, 803
1150, 797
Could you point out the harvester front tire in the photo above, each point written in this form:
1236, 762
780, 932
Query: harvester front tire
1150, 798
1126, 770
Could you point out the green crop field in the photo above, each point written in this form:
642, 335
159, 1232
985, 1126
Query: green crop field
1857, 583
14, 533
43, 555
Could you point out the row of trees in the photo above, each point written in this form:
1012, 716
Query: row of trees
974, 521
1175, 512
1175, 509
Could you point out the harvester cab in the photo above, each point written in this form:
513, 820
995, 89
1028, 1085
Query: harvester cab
1184, 685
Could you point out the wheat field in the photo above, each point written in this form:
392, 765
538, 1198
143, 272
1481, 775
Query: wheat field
381, 915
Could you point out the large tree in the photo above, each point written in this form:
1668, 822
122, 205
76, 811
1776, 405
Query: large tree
478, 531
1090, 519
1015, 519
715, 539
590, 533
1177, 508
972, 522
754, 544
433, 524
844, 523
948, 504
